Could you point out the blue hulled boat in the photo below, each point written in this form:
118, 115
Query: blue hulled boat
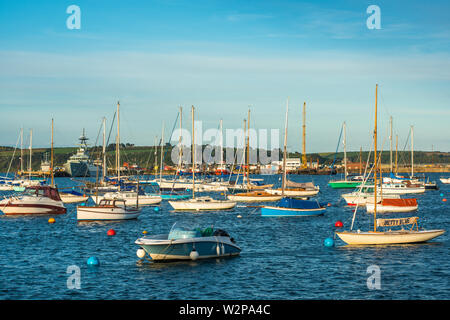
288, 207
186, 243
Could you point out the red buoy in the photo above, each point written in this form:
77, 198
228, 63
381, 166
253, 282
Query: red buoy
338, 224
444, 199
111, 232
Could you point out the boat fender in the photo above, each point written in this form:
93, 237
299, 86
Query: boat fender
218, 250
194, 254
140, 253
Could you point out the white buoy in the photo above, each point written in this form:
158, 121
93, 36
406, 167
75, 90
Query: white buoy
239, 216
140, 253
194, 254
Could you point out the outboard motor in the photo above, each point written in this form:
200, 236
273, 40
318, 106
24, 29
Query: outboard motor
220, 233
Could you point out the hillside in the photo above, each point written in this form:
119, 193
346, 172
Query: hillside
144, 156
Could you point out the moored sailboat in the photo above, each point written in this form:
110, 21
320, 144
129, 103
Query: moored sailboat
114, 208
288, 206
200, 203
376, 237
353, 182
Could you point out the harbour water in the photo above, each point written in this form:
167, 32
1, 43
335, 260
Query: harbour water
281, 258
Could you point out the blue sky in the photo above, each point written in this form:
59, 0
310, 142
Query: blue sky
222, 57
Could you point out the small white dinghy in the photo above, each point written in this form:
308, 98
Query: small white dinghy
73, 197
254, 196
393, 205
362, 198
202, 203
108, 210
130, 198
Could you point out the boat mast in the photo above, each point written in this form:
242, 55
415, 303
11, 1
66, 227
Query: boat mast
51, 161
181, 148
345, 151
244, 153
390, 138
155, 154
31, 151
193, 155
104, 149
304, 165
375, 163
248, 150
412, 151
21, 150
221, 143
360, 160
162, 150
396, 156
118, 144
283, 186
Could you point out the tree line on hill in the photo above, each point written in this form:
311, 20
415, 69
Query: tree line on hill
145, 156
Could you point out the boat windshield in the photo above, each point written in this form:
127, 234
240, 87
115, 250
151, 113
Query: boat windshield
184, 229
47, 192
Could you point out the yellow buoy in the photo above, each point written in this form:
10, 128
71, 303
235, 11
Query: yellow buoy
51, 220
144, 232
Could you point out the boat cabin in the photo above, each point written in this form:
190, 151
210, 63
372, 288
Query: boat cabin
43, 191
112, 203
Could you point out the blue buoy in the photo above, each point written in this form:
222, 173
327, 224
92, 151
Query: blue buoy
441, 194
328, 242
93, 261
156, 209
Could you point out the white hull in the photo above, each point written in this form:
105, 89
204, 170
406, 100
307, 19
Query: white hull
254, 199
6, 187
386, 208
393, 237
213, 187
102, 213
31, 205
362, 199
130, 200
445, 180
71, 198
177, 184
202, 203
401, 189
293, 193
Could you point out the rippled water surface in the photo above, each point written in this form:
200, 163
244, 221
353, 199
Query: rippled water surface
281, 258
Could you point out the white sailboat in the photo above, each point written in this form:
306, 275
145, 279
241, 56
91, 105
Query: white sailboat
365, 195
252, 195
377, 237
113, 208
200, 203
35, 199
131, 198
73, 197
